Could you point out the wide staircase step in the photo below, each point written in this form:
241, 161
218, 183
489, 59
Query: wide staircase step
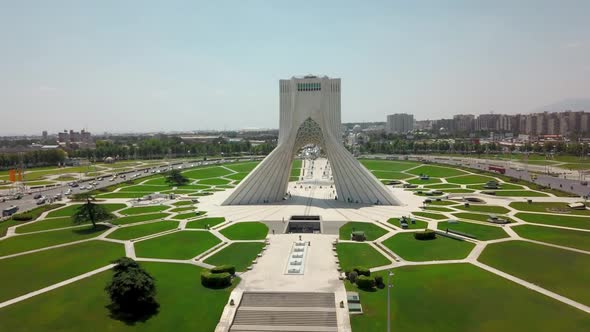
286, 312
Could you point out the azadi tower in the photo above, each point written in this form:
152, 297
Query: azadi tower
310, 114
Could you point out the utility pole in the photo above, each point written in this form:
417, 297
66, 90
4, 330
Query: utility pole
389, 286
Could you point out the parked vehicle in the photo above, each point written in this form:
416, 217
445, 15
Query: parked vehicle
68, 192
37, 196
9, 211
41, 200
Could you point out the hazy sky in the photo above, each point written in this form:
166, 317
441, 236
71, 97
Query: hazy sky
144, 65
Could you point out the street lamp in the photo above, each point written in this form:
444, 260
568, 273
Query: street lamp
389, 286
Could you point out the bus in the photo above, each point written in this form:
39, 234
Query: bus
9, 211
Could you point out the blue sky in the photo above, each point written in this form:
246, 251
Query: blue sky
126, 66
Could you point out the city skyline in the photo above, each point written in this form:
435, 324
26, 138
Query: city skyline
182, 67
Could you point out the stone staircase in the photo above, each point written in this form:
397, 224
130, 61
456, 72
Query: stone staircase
286, 312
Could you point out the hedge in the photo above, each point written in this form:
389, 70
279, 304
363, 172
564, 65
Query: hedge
22, 217
365, 282
427, 234
224, 268
361, 271
215, 280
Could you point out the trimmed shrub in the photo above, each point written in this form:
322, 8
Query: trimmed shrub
22, 217
353, 276
224, 268
215, 280
362, 271
365, 282
358, 236
427, 234
379, 281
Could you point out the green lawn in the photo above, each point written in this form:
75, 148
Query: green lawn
205, 173
359, 254
443, 203
561, 271
439, 209
237, 176
180, 295
435, 216
503, 186
139, 218
243, 167
420, 224
555, 219
484, 208
391, 175
68, 211
145, 188
459, 191
549, 207
442, 186
144, 209
470, 179
28, 242
214, 181
46, 224
31, 272
135, 232
436, 171
372, 231
481, 232
477, 216
441, 248
246, 231
420, 181
520, 193
562, 237
239, 254
183, 209
182, 203
388, 165
179, 245
188, 215
202, 223
461, 297
121, 194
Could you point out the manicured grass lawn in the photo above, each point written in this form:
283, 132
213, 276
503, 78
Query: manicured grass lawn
470, 179
459, 191
555, 219
144, 209
27, 273
135, 232
28, 242
562, 237
359, 254
68, 211
372, 231
442, 186
237, 176
388, 165
243, 167
180, 295
46, 224
189, 215
179, 245
250, 230
183, 208
443, 203
391, 175
561, 271
478, 216
439, 208
436, 171
520, 193
121, 194
481, 232
484, 208
239, 255
549, 207
420, 181
295, 172
496, 304
420, 224
503, 186
145, 188
205, 173
139, 218
214, 181
435, 216
202, 223
182, 203
441, 248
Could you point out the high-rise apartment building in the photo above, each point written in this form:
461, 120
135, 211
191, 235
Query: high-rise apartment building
399, 123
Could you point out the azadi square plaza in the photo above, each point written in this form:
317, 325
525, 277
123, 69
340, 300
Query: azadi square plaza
316, 237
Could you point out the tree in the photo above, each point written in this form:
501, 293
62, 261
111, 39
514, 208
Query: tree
175, 177
132, 291
91, 212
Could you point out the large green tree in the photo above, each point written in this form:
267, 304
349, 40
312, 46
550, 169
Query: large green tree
91, 212
174, 177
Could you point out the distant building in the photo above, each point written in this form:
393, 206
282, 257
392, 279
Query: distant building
399, 123
74, 137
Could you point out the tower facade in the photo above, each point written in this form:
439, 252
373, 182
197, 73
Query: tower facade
310, 114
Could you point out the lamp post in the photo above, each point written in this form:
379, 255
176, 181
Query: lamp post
389, 285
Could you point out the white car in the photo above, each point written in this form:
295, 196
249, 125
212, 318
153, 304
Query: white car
68, 192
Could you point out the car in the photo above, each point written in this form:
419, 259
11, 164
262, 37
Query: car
112, 179
123, 176
37, 196
41, 200
99, 178
57, 197
74, 185
90, 187
68, 192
